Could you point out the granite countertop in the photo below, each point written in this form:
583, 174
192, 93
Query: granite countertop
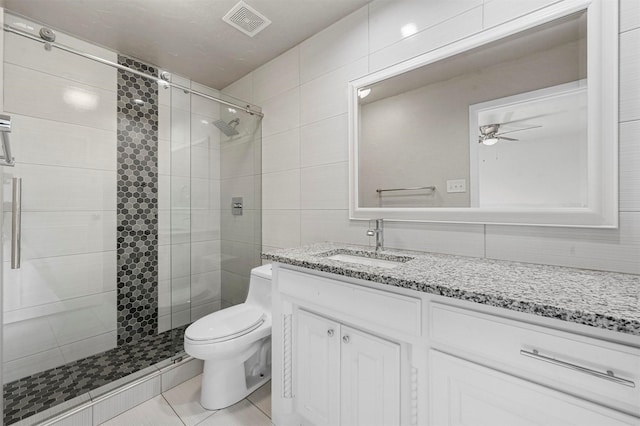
600, 299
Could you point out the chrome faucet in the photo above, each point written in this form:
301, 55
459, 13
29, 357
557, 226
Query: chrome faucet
378, 232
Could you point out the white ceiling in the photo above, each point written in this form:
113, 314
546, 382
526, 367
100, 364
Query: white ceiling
188, 37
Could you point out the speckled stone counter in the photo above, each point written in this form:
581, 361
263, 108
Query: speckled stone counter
599, 299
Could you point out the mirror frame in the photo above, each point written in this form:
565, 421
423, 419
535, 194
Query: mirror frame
602, 133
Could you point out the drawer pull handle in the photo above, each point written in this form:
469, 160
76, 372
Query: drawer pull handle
607, 376
330, 332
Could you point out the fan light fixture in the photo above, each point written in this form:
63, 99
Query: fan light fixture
363, 93
490, 141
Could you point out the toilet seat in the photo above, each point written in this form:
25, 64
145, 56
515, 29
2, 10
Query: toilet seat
226, 324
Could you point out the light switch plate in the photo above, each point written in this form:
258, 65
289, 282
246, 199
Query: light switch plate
457, 185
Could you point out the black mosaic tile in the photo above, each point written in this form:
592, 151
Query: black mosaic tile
30, 395
137, 203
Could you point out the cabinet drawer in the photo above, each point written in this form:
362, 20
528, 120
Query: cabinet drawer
373, 307
462, 391
563, 360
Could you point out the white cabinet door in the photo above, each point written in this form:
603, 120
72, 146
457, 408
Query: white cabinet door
317, 372
464, 393
370, 382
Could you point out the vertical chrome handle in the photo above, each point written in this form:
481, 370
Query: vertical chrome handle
16, 223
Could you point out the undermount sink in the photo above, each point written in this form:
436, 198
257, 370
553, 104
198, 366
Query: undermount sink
388, 263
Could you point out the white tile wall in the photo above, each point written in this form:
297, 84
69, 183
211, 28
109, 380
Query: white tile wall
31, 364
629, 15
281, 190
51, 279
53, 143
323, 142
36, 94
24, 52
59, 233
87, 347
388, 18
277, 76
329, 50
281, 151
322, 187
281, 228
1, 186
448, 31
326, 96
52, 188
629, 166
630, 75
318, 106
331, 225
283, 112
615, 249
499, 11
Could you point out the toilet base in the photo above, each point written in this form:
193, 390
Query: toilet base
226, 382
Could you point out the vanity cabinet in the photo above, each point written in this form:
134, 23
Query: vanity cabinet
344, 375
351, 352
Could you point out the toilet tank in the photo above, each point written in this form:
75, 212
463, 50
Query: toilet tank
260, 287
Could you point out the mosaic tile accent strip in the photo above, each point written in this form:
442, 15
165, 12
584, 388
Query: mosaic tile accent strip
25, 397
600, 299
137, 248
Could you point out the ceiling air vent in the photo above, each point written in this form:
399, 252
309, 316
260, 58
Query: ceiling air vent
246, 19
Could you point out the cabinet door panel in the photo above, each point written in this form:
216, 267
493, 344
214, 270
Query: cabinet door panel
370, 381
464, 393
317, 372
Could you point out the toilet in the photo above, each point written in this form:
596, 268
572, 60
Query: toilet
235, 344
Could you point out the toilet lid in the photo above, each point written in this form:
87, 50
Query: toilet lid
227, 323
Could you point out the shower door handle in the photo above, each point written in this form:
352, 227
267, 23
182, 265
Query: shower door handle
16, 223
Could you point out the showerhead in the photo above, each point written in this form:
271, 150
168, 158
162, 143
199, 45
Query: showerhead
229, 128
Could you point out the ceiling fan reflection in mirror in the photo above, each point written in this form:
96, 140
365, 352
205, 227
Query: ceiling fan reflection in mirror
490, 133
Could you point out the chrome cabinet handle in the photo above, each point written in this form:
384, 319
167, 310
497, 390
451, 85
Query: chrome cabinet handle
330, 332
607, 375
345, 339
16, 223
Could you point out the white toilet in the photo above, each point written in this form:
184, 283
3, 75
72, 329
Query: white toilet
235, 344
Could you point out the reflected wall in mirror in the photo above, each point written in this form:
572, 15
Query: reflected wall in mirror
517, 125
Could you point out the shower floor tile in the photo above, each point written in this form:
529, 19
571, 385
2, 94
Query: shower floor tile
33, 394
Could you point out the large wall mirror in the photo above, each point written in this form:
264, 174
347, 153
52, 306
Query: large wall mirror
515, 125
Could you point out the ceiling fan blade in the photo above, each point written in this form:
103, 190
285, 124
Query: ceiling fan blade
506, 139
519, 130
525, 119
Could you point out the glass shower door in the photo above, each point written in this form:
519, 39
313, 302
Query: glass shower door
60, 304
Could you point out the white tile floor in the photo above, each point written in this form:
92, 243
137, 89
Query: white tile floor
180, 406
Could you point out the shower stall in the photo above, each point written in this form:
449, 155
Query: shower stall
135, 194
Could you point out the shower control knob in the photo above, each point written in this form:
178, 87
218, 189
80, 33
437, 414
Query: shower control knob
345, 339
330, 332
